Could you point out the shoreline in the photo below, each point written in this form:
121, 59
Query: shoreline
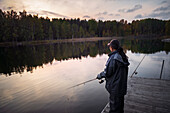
166, 40
91, 39
40, 42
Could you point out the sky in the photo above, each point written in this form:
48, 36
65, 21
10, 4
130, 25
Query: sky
96, 9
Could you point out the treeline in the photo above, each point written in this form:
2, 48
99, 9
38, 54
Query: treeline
26, 27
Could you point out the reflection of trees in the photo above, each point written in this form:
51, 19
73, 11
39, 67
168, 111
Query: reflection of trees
145, 46
18, 59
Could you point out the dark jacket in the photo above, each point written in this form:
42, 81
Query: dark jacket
116, 73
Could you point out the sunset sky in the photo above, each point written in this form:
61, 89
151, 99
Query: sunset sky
97, 9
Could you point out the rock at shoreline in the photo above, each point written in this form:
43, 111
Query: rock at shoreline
166, 40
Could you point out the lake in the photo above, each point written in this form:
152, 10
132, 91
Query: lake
35, 79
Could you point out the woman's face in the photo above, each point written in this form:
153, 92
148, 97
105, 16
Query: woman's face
110, 48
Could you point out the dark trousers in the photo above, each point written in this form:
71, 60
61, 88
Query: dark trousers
116, 104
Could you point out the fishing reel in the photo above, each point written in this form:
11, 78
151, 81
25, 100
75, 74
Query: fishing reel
101, 81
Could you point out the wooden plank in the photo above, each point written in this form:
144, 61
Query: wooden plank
146, 95
149, 81
148, 101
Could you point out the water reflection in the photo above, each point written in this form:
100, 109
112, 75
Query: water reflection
151, 65
45, 90
21, 58
48, 70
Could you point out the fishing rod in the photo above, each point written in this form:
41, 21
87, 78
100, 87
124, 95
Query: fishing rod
137, 67
82, 83
86, 82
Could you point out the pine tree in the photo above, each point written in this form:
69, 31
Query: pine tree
50, 33
167, 28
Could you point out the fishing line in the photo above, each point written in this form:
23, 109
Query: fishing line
137, 67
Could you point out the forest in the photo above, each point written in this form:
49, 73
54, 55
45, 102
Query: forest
17, 27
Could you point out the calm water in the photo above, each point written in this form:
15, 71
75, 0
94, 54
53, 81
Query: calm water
34, 79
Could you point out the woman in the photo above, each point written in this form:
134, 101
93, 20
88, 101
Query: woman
116, 73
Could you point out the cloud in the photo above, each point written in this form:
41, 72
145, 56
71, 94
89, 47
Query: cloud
138, 16
161, 9
162, 12
105, 13
16, 5
100, 14
122, 10
117, 14
100, 18
32, 12
47, 13
110, 0
52, 14
162, 15
86, 16
110, 14
9, 8
163, 2
136, 7
86, 8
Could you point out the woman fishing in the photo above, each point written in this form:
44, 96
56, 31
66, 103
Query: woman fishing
116, 73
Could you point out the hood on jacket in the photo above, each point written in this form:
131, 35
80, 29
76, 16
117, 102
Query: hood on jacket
118, 57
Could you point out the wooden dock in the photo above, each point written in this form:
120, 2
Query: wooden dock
146, 95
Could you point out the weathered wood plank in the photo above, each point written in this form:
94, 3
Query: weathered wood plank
149, 101
146, 96
149, 81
